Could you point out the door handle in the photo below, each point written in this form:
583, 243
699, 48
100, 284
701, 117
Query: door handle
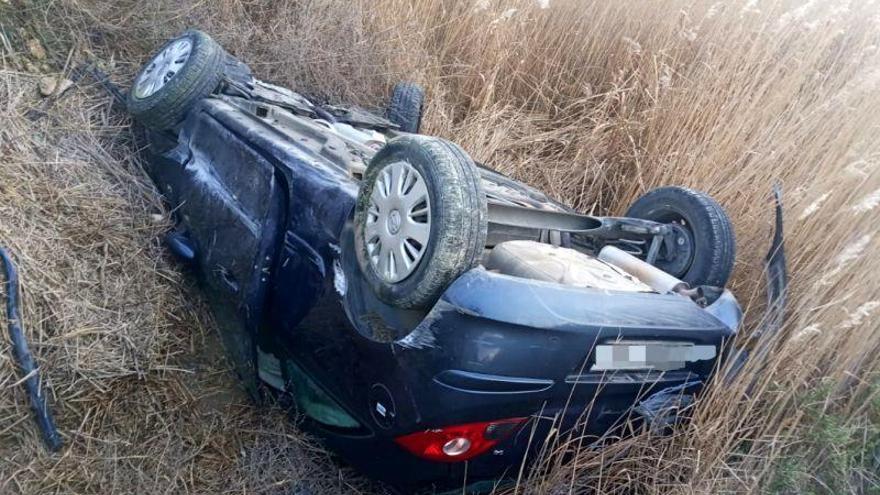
181, 246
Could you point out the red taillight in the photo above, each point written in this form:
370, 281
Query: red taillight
460, 442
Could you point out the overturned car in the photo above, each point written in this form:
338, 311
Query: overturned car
431, 319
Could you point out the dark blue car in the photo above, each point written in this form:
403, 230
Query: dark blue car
431, 318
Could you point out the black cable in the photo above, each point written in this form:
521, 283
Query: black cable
101, 77
26, 360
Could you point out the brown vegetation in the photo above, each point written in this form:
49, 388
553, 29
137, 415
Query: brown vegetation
594, 102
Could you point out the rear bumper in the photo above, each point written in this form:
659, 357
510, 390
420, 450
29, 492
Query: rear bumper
505, 347
497, 347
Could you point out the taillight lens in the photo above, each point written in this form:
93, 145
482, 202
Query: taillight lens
460, 442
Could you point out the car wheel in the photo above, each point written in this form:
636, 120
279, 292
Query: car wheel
420, 219
185, 70
704, 235
405, 108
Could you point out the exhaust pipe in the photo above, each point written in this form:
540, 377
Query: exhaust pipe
654, 277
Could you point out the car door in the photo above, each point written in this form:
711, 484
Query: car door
230, 207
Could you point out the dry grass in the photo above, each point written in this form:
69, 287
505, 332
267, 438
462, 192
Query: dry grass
594, 102
142, 395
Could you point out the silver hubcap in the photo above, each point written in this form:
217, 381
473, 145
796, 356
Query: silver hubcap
162, 68
398, 222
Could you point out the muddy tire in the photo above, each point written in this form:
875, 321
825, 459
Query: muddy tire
406, 106
420, 220
705, 234
185, 70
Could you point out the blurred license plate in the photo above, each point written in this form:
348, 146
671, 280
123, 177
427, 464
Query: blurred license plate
656, 355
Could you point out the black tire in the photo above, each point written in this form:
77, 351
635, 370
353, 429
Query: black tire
405, 108
200, 76
458, 219
706, 232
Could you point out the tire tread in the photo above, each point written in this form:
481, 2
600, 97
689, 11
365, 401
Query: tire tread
405, 108
715, 251
200, 77
458, 215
